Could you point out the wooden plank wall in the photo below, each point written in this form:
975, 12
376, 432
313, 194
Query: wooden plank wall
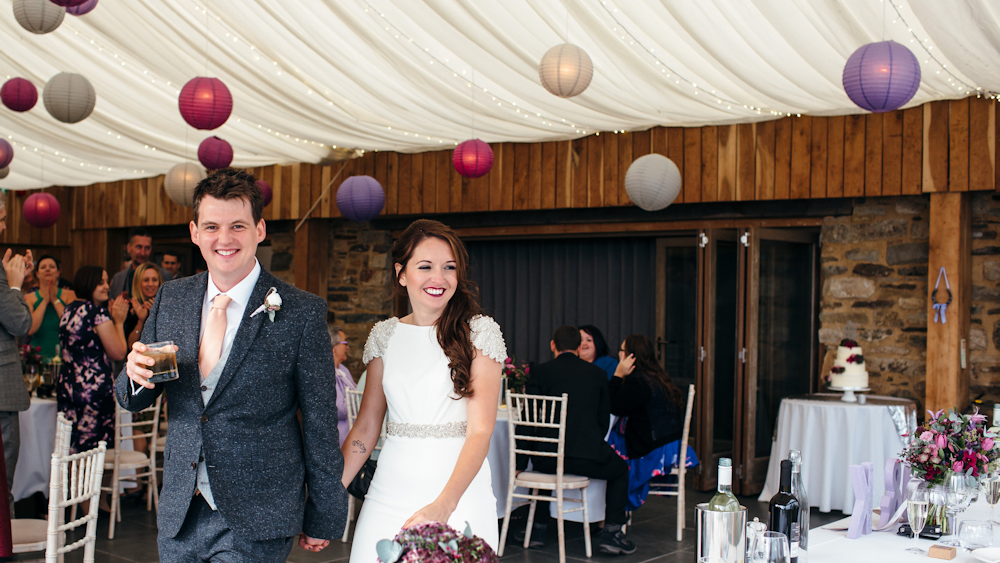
940, 146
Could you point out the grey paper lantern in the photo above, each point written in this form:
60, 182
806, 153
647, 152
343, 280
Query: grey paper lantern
69, 97
181, 181
38, 16
653, 182
566, 70
4, 171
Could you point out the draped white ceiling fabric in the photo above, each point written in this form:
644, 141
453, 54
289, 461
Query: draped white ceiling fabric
414, 75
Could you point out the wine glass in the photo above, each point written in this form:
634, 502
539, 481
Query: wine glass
917, 507
991, 490
959, 498
975, 534
772, 547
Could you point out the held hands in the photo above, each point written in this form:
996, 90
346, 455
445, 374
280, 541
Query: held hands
135, 365
625, 364
433, 512
312, 544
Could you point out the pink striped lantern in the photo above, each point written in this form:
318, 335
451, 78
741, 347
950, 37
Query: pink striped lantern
265, 191
41, 210
19, 94
80, 9
472, 158
205, 103
215, 153
6, 153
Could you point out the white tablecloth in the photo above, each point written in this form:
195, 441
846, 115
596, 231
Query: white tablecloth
499, 458
832, 436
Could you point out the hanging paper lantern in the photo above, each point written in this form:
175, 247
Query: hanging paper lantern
6, 153
265, 191
566, 70
41, 210
19, 94
69, 97
472, 158
67, 3
181, 181
215, 154
882, 76
38, 16
205, 103
360, 198
83, 8
4, 171
653, 182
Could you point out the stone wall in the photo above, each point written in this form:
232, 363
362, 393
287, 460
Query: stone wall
874, 282
984, 332
359, 291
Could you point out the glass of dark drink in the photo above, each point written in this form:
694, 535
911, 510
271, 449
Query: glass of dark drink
165, 368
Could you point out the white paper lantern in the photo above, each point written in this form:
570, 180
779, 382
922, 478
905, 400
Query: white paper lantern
181, 181
566, 70
653, 182
4, 171
69, 97
38, 16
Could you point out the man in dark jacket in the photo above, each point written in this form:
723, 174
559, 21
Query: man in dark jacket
587, 420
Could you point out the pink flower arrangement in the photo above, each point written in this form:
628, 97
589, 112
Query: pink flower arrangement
517, 376
435, 542
952, 443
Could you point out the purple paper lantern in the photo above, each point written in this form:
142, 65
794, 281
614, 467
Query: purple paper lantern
41, 210
68, 3
472, 158
360, 198
266, 191
6, 153
19, 94
80, 9
205, 103
882, 76
215, 153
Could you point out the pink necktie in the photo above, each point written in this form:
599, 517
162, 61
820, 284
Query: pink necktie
215, 335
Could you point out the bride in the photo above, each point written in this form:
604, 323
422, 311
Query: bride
437, 373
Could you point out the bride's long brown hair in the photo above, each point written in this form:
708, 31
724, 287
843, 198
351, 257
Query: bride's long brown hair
453, 326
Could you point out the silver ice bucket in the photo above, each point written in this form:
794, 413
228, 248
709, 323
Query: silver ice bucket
721, 535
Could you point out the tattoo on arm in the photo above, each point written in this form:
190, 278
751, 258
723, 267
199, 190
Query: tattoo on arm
360, 445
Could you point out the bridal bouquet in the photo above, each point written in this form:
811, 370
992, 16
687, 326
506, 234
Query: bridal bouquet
435, 542
955, 443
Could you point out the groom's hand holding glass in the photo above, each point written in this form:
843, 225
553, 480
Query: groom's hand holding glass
157, 361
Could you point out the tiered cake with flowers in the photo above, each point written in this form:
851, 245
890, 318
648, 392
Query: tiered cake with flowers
849, 369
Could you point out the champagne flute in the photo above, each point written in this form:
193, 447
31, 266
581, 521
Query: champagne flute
991, 488
917, 507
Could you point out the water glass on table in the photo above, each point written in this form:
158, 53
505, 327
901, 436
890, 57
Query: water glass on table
959, 498
917, 507
975, 534
772, 547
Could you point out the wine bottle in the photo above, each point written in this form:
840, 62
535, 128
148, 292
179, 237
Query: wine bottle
784, 511
725, 500
799, 492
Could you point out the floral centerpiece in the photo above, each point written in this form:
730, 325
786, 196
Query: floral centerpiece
31, 356
517, 376
435, 542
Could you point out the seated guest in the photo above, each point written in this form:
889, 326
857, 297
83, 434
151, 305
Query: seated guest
587, 454
650, 407
594, 349
344, 379
47, 305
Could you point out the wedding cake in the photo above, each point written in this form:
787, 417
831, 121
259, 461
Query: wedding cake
849, 367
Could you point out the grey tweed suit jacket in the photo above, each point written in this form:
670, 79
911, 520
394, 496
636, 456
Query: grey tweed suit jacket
15, 320
259, 460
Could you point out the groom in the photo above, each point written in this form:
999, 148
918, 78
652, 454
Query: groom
237, 464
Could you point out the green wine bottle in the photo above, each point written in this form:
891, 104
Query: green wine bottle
725, 500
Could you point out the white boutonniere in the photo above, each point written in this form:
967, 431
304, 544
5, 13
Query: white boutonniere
272, 303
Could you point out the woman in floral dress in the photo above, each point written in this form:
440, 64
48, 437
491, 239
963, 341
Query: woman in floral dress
90, 337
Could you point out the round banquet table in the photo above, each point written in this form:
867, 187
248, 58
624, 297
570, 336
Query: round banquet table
833, 435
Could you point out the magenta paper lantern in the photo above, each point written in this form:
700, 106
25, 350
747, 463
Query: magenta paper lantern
41, 210
882, 76
360, 198
19, 94
6, 153
473, 158
215, 153
266, 191
67, 3
205, 103
80, 9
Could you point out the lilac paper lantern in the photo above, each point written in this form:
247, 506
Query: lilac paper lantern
472, 158
215, 153
6, 153
67, 3
882, 76
360, 198
265, 191
81, 9
19, 94
41, 210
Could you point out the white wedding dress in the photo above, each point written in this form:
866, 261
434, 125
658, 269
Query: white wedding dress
426, 432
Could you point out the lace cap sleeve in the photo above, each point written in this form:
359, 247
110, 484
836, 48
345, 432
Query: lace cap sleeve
378, 339
486, 336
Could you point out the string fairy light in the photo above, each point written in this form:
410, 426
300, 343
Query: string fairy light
16, 143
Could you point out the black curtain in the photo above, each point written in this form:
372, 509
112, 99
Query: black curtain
533, 287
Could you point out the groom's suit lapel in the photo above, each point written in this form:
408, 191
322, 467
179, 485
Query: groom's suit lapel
190, 335
246, 334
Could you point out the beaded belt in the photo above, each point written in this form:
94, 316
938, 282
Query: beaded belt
407, 430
